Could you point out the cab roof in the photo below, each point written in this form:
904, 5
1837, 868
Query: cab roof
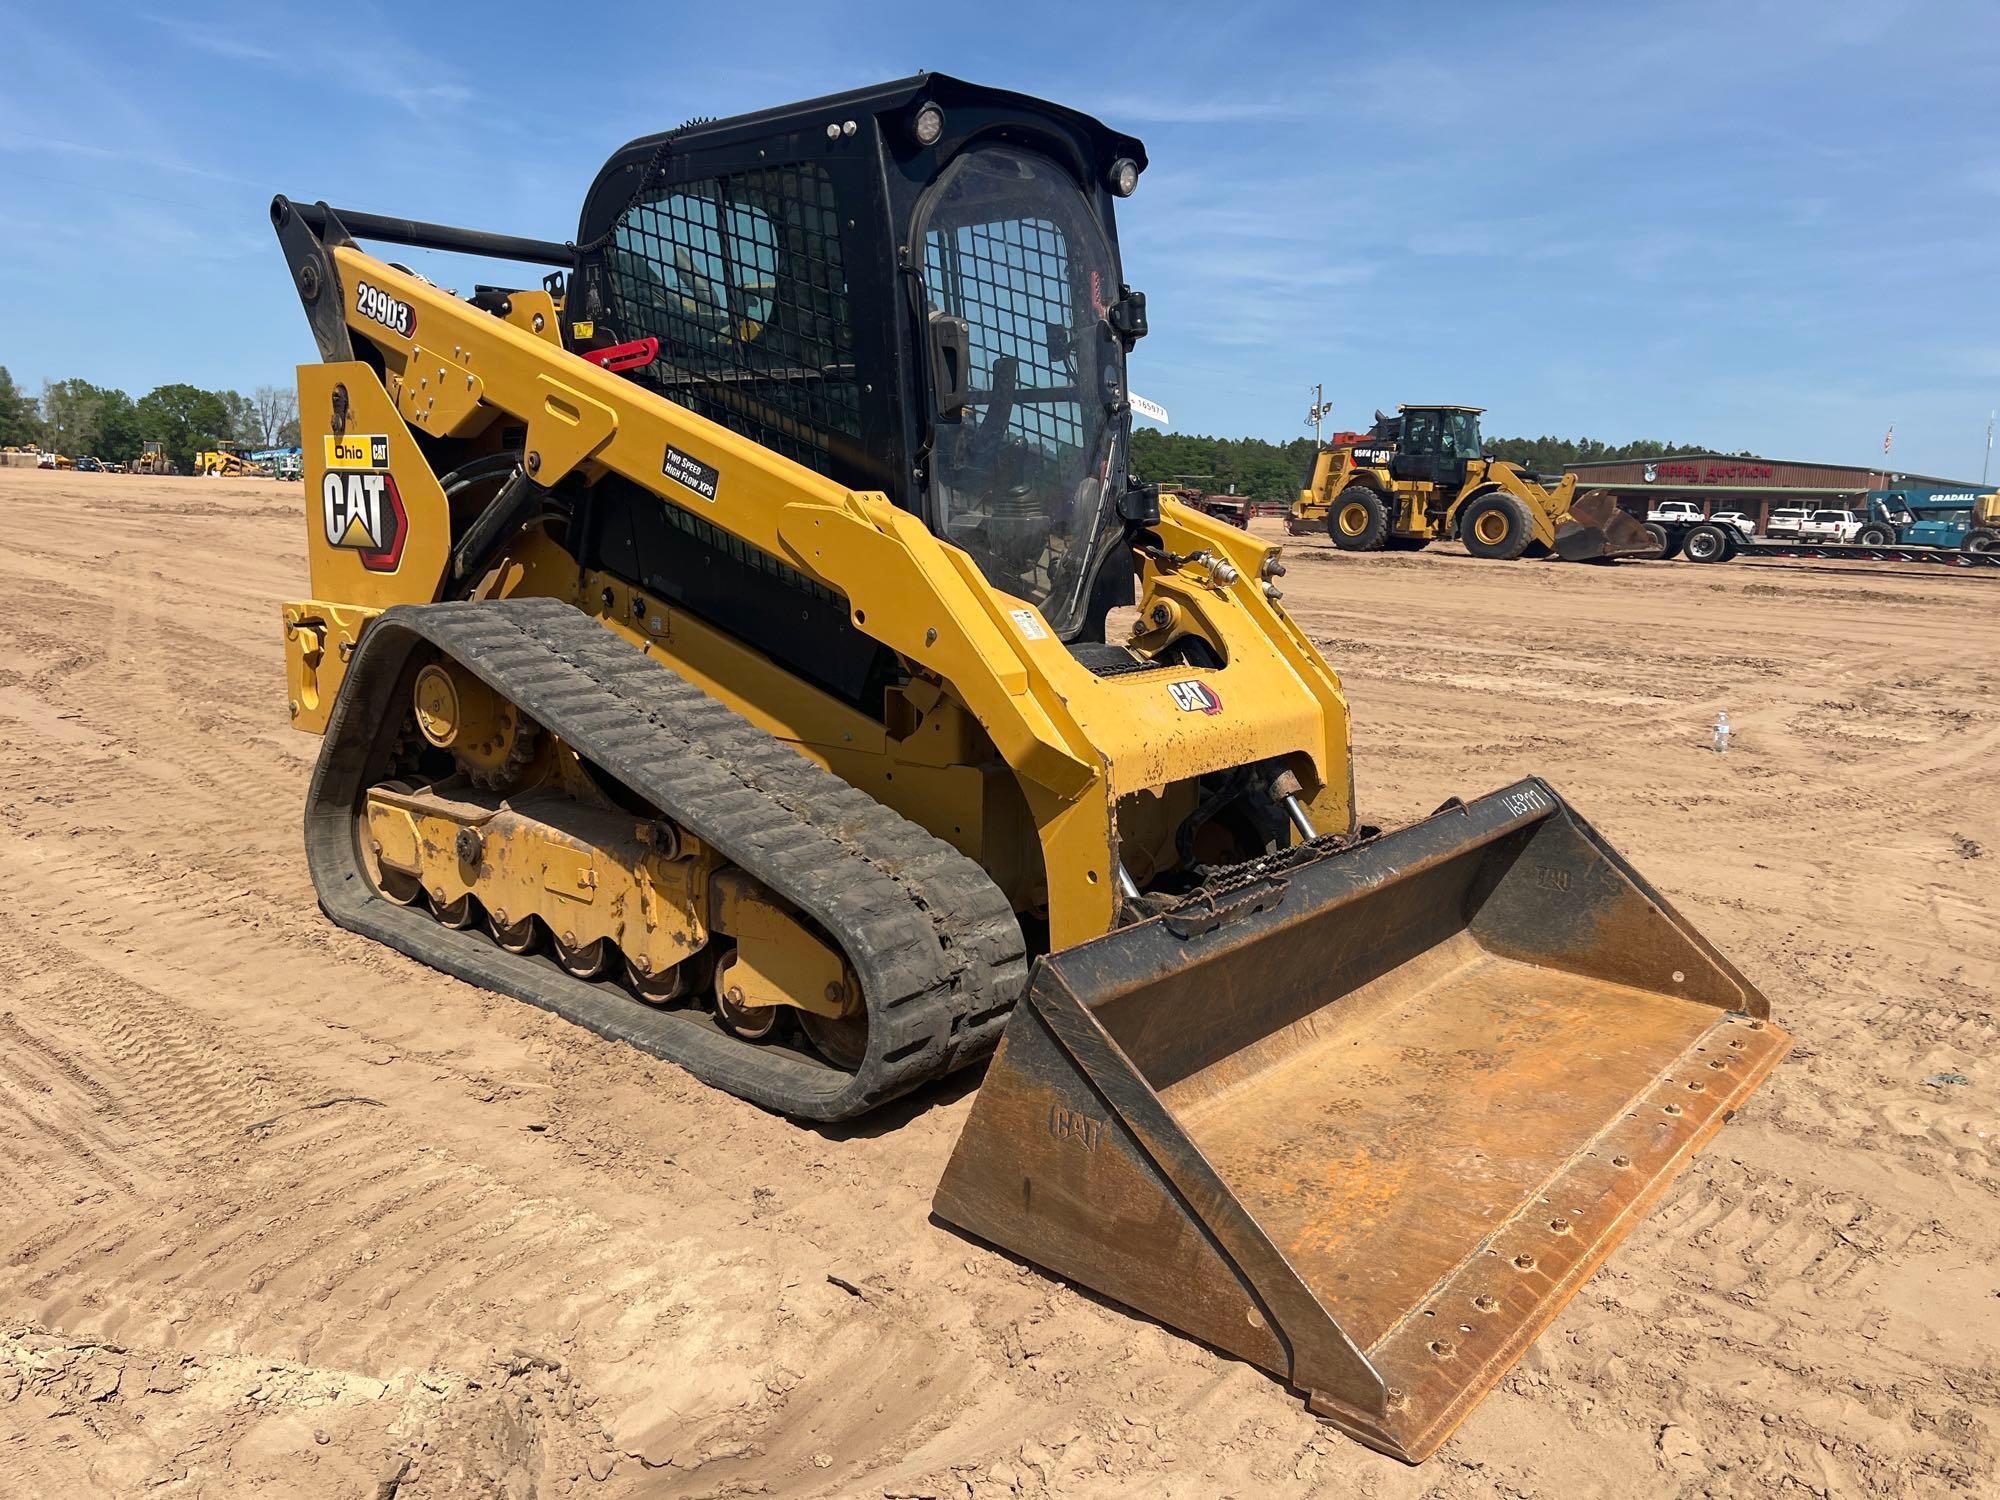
1436, 406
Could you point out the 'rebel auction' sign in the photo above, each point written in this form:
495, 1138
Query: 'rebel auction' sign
1152, 411
1708, 471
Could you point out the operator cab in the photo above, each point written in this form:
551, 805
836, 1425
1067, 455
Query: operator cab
1434, 444
793, 261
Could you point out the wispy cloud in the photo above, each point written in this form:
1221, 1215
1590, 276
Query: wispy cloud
20, 141
215, 40
390, 67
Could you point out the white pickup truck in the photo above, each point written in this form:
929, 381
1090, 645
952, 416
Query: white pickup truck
1830, 526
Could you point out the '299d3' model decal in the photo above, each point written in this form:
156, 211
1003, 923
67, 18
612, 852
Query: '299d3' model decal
363, 512
392, 313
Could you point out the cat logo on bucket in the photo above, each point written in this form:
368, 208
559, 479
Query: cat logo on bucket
1195, 697
363, 512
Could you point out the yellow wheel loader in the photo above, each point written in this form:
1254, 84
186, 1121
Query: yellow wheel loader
1422, 475
153, 459
712, 644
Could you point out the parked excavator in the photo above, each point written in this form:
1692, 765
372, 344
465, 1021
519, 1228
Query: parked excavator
711, 643
1423, 475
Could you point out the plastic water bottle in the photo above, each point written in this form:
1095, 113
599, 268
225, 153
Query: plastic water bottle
1722, 732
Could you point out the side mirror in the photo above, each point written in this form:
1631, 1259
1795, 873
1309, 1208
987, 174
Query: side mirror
1140, 504
1127, 317
951, 366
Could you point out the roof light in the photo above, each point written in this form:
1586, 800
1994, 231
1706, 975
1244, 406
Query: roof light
929, 125
1124, 177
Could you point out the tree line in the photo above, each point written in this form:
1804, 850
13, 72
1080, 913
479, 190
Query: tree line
76, 418
1549, 455
1276, 471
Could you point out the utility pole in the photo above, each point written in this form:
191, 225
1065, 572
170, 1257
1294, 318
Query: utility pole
1321, 409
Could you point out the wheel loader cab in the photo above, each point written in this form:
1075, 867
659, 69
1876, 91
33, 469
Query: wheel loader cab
1436, 444
913, 289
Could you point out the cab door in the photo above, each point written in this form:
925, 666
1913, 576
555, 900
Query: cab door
1421, 452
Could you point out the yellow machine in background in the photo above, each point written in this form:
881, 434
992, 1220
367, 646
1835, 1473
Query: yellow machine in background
153, 459
710, 645
224, 461
1423, 475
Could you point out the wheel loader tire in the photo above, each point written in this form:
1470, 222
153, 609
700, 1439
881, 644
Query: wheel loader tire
1876, 536
1497, 526
1660, 538
1982, 543
1359, 520
1707, 544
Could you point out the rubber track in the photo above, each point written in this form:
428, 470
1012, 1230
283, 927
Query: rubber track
934, 942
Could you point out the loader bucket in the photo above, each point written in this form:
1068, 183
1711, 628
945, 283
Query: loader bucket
1371, 1117
1598, 527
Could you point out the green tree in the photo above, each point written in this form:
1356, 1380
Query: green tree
1251, 467
184, 418
69, 416
1548, 455
243, 424
18, 422
1276, 471
118, 428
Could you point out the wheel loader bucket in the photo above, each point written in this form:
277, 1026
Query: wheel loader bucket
1597, 526
1367, 1118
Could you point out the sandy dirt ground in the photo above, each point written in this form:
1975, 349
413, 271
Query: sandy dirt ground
284, 1213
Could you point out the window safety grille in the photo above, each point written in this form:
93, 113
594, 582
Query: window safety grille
1010, 281
740, 279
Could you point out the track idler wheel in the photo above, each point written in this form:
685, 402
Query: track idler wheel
753, 1023
523, 936
658, 989
397, 886
589, 960
462, 913
841, 1040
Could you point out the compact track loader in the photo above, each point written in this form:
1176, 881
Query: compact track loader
714, 644
1423, 475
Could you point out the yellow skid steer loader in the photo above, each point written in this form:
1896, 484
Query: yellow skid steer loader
711, 645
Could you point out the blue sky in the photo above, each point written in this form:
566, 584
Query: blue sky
1759, 225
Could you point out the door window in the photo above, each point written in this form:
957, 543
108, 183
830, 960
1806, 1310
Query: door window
1011, 246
